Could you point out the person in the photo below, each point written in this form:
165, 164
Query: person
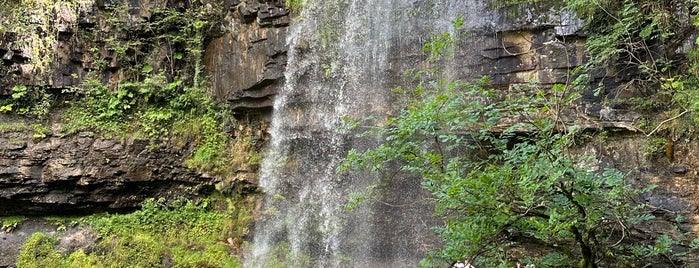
462, 264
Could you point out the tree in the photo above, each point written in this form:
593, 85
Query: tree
507, 192
499, 191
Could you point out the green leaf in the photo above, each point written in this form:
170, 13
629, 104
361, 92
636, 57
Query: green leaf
6, 108
19, 91
147, 69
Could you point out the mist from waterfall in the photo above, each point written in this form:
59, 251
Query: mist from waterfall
345, 58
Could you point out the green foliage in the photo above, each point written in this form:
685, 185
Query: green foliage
212, 153
134, 250
644, 43
155, 109
663, 247
40, 131
39, 251
442, 46
80, 259
179, 31
34, 102
10, 222
629, 31
187, 232
207, 234
507, 192
654, 147
13, 127
498, 191
684, 92
162, 95
295, 5
34, 22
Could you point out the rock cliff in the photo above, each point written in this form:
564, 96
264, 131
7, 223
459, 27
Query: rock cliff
51, 51
83, 172
247, 64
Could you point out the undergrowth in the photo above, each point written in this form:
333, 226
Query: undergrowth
161, 97
645, 47
180, 233
158, 110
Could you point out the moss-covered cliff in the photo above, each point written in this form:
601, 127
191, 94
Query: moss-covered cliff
106, 104
136, 73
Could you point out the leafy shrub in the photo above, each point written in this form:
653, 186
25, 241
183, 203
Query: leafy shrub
155, 109
502, 190
34, 102
503, 175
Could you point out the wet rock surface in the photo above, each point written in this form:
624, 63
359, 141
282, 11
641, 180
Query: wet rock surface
247, 65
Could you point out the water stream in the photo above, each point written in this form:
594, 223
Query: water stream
345, 57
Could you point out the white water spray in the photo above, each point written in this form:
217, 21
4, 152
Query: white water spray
345, 57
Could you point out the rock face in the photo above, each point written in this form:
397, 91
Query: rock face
11, 240
83, 173
524, 46
244, 55
31, 58
247, 65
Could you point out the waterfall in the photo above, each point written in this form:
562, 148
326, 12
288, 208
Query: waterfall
345, 57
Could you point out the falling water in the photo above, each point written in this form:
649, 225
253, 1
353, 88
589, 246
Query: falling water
345, 57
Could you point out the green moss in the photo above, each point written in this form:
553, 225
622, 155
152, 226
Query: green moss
183, 233
654, 147
206, 130
295, 5
188, 234
14, 127
211, 256
11, 222
134, 249
39, 251
79, 259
